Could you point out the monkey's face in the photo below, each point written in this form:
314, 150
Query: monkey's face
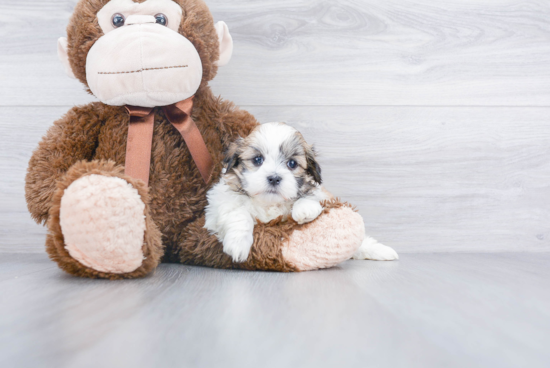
140, 55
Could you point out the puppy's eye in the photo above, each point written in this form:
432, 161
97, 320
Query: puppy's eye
291, 164
117, 20
258, 160
161, 19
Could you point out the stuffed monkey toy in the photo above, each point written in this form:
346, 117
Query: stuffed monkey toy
121, 183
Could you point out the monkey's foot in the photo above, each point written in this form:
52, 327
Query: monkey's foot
103, 223
332, 238
99, 224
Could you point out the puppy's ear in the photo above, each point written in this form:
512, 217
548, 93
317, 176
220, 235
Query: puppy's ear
231, 159
313, 169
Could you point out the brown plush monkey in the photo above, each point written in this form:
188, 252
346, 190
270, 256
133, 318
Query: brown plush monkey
105, 222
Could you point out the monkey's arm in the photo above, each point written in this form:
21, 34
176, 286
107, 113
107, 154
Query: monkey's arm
72, 138
234, 122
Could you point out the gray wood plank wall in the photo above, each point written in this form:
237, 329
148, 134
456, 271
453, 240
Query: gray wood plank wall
432, 117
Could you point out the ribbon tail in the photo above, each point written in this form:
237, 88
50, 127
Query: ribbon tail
140, 138
138, 145
179, 115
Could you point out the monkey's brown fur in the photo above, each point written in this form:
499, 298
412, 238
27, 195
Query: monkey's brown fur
91, 139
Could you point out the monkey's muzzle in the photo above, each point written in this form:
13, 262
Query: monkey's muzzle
143, 64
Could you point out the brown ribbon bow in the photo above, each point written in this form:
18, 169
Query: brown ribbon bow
140, 137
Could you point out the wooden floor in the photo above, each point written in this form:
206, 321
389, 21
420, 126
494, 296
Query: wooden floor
426, 310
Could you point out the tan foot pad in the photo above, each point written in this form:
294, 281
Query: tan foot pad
329, 240
103, 223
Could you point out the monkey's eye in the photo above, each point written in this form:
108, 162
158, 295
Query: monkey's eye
161, 19
258, 160
117, 20
291, 164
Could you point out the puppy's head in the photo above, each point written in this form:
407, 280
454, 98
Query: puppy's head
274, 164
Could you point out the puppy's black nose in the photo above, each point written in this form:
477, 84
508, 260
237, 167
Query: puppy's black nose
274, 180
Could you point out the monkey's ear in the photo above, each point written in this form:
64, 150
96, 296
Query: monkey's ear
313, 167
231, 159
226, 43
63, 55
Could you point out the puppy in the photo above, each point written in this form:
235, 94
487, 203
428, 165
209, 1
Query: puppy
270, 173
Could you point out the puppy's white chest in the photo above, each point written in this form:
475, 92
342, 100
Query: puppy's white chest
268, 213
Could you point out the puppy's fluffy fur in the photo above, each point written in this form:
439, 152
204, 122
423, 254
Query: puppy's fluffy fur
270, 173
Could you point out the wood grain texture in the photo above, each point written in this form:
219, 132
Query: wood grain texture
436, 179
426, 310
317, 52
439, 179
426, 178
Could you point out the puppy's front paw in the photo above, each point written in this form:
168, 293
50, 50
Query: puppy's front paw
237, 244
306, 210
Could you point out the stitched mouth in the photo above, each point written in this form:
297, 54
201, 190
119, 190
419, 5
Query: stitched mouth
145, 69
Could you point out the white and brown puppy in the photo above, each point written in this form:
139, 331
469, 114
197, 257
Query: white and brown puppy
268, 174
271, 173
